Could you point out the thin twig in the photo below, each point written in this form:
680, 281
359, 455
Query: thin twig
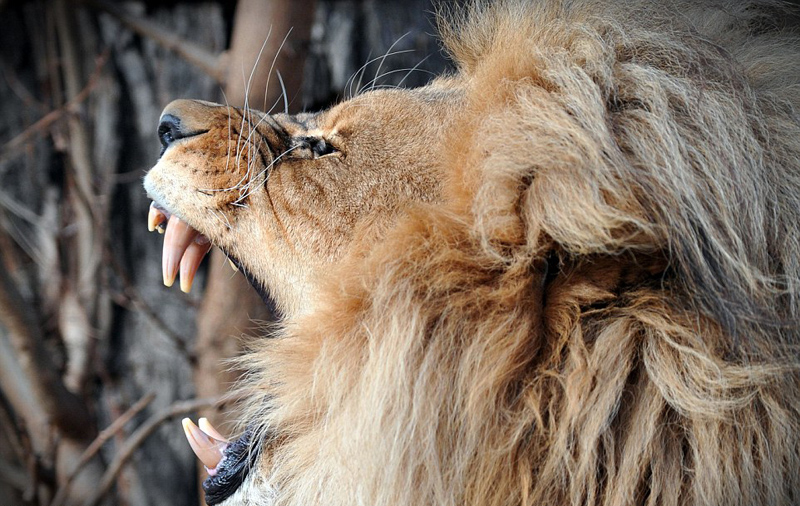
99, 441
19, 89
10, 149
206, 61
142, 433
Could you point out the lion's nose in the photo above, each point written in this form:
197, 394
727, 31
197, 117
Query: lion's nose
184, 118
169, 130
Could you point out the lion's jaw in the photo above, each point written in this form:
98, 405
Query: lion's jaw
287, 196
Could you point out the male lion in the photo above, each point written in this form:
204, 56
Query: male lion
566, 274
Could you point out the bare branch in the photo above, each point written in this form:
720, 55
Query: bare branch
83, 298
12, 147
142, 433
206, 61
99, 441
19, 393
66, 410
20, 90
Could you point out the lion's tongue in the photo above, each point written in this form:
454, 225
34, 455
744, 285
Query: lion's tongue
184, 247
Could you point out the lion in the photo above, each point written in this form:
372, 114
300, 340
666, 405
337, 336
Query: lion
567, 273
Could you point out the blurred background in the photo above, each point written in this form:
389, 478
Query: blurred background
98, 360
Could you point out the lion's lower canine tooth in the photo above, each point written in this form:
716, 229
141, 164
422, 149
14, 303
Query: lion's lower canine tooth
207, 449
209, 429
190, 262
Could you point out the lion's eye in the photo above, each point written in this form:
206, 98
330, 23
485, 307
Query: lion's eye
316, 145
321, 148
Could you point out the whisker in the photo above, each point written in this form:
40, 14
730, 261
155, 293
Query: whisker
228, 259
241, 185
255, 65
416, 68
274, 104
271, 164
283, 92
380, 64
348, 92
228, 109
363, 69
223, 219
272, 65
241, 127
407, 70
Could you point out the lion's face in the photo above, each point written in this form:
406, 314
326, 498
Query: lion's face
285, 196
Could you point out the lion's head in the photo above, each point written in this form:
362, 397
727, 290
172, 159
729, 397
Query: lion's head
567, 274
345, 174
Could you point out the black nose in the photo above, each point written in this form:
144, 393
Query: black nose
169, 130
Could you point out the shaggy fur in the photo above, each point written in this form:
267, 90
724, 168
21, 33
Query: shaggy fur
602, 309
605, 311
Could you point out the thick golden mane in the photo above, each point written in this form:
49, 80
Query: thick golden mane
603, 310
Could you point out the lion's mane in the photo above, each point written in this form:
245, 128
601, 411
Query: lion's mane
604, 311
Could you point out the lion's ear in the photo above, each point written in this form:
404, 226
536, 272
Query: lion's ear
560, 177
577, 172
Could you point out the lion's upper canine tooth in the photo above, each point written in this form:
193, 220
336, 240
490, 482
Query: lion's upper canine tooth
233, 265
208, 449
177, 239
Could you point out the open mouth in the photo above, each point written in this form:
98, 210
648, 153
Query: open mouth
184, 249
227, 462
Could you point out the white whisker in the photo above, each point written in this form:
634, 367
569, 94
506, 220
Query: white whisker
271, 164
380, 64
274, 104
416, 68
283, 92
228, 109
408, 72
272, 66
255, 65
362, 70
348, 92
222, 218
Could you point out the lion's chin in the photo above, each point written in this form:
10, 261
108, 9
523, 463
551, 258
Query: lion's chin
227, 462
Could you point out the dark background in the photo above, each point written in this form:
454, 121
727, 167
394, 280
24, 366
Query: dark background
98, 360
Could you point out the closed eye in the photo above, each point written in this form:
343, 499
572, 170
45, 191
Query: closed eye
322, 147
316, 146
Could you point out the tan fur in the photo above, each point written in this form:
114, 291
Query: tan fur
566, 275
